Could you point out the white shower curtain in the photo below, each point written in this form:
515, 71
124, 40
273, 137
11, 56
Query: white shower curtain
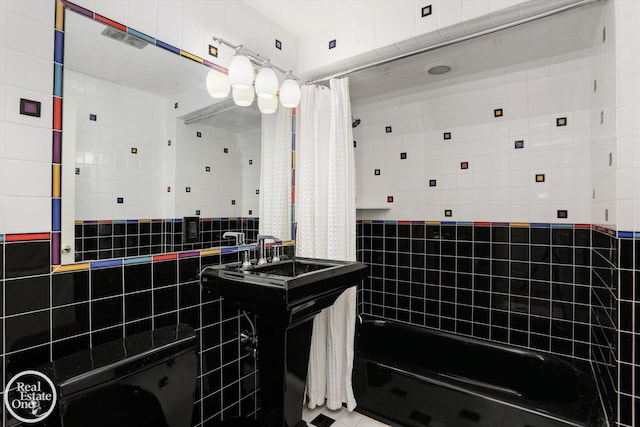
275, 175
326, 221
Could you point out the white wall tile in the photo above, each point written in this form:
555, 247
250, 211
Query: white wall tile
28, 71
26, 179
25, 214
168, 14
500, 182
141, 16
42, 11
27, 143
40, 40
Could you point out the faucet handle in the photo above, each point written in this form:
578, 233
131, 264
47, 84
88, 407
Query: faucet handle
234, 234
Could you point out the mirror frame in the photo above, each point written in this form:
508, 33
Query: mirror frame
57, 137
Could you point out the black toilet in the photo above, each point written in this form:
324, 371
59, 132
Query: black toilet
144, 380
147, 379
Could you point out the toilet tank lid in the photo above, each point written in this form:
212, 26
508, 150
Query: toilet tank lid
119, 358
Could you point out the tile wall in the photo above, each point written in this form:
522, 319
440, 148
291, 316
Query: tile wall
627, 74
49, 315
505, 145
487, 250
522, 285
118, 239
120, 162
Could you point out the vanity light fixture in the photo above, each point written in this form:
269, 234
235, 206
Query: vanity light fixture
243, 97
240, 80
289, 92
240, 71
266, 82
268, 105
218, 84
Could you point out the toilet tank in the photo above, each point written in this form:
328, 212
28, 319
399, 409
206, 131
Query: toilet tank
143, 380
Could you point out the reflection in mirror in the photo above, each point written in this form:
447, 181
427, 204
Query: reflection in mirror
146, 147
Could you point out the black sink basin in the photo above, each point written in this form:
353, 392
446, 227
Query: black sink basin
298, 288
285, 296
292, 268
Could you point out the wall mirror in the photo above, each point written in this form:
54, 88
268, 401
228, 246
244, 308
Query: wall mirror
146, 150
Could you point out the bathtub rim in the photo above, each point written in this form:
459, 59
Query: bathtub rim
584, 373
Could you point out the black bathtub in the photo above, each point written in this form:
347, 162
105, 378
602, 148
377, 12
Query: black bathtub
414, 376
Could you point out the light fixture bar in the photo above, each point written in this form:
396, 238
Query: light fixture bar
254, 57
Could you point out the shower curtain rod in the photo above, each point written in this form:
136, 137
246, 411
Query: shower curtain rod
575, 5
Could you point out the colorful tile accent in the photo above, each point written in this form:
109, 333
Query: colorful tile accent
519, 144
388, 129
56, 180
110, 22
389, 199
213, 51
447, 135
170, 48
278, 44
57, 113
376, 172
140, 35
332, 44
561, 121
191, 56
432, 183
57, 147
464, 165
134, 150
426, 11
448, 213
497, 112
540, 177
563, 214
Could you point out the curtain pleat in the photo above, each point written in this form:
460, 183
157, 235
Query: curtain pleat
326, 220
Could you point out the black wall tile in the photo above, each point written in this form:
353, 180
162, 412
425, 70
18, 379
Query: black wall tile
106, 282
27, 294
106, 312
68, 288
137, 277
165, 273
26, 258
70, 320
26, 330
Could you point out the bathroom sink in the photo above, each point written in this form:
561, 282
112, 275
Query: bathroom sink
301, 286
285, 296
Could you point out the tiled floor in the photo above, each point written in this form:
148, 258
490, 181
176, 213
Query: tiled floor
323, 417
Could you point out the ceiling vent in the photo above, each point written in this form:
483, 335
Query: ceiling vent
125, 38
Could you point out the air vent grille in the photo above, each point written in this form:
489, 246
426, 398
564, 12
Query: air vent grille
125, 38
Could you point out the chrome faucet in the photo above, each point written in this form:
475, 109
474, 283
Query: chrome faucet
246, 262
262, 243
237, 235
